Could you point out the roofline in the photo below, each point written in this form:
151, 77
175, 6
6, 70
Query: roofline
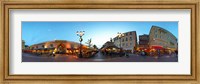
127, 32
163, 29
53, 41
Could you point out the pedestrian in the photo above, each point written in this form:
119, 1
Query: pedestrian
53, 54
170, 52
127, 56
158, 52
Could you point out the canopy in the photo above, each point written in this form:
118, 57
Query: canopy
157, 47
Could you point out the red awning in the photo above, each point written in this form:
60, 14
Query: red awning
157, 47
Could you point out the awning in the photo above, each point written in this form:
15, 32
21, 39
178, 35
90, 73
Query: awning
157, 47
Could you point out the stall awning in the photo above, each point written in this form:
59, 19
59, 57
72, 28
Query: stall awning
157, 47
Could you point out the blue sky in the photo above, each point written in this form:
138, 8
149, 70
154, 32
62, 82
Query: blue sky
99, 32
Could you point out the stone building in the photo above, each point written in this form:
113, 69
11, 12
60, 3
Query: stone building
23, 44
127, 42
161, 37
144, 41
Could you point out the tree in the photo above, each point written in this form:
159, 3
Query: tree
26, 46
95, 47
89, 42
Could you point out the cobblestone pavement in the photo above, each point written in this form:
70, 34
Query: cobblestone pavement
99, 57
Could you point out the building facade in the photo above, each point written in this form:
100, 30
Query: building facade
57, 46
161, 37
23, 44
127, 42
144, 41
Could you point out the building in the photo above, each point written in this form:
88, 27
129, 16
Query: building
110, 46
127, 42
23, 44
161, 37
144, 41
57, 46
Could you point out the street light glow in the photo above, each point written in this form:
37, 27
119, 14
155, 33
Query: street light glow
80, 33
120, 35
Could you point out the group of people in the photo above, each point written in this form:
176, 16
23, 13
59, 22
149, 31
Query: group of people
157, 53
140, 53
111, 53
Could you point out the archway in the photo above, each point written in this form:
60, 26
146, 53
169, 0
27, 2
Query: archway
61, 49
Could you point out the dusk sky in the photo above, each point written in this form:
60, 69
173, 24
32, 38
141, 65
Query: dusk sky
99, 32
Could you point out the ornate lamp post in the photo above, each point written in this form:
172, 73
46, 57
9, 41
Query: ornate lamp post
80, 34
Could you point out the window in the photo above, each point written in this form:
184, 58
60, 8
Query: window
130, 38
51, 45
126, 34
123, 44
126, 44
130, 44
122, 40
130, 33
155, 31
42, 46
171, 43
126, 39
156, 36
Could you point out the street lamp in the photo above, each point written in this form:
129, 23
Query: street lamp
80, 34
